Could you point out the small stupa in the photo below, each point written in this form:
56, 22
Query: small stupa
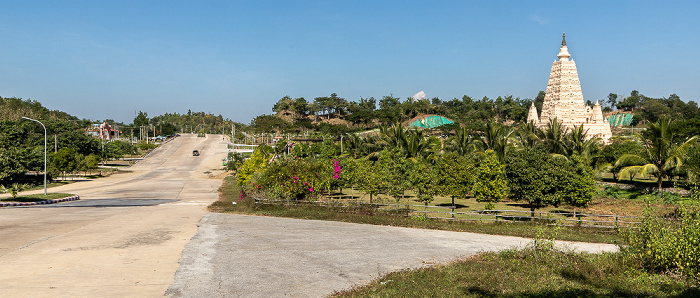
563, 100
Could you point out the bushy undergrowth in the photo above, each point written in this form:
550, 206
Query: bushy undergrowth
667, 244
230, 193
528, 273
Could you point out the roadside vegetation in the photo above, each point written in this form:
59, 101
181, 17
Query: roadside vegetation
313, 156
230, 194
660, 259
390, 176
530, 273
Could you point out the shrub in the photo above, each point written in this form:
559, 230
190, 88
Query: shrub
14, 189
143, 146
659, 244
297, 178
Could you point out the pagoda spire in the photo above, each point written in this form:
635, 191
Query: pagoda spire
563, 51
564, 100
563, 39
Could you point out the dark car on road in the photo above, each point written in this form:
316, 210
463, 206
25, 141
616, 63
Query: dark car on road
195, 153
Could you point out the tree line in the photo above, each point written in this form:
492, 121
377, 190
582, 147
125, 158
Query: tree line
540, 167
296, 115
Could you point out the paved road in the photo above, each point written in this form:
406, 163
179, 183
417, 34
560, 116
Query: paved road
123, 238
249, 256
147, 233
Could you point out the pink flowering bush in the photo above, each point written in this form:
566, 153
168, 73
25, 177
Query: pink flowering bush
299, 178
336, 170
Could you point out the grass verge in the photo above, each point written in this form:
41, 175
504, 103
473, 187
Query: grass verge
229, 193
529, 273
511, 273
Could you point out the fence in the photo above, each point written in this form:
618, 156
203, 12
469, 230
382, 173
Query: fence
451, 213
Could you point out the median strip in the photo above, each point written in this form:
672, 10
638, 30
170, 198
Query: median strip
54, 201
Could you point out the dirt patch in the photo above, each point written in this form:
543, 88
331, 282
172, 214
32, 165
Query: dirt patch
147, 238
222, 175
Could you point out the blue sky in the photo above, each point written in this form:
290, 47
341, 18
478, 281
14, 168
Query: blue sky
108, 59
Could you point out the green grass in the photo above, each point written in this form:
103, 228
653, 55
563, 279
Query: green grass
512, 273
38, 197
229, 193
50, 185
530, 273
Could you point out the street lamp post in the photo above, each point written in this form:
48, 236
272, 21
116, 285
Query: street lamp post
42, 125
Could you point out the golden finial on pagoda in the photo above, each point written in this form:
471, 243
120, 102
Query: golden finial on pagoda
563, 39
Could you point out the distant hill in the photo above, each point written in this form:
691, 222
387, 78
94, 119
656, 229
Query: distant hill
14, 108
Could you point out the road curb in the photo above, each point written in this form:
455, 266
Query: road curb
54, 201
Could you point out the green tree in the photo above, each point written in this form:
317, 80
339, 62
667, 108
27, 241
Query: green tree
554, 137
461, 143
256, 163
496, 138
269, 124
612, 99
65, 160
351, 173
424, 178
301, 106
141, 119
398, 174
527, 136
532, 177
10, 165
283, 105
490, 184
456, 175
541, 179
631, 102
661, 156
91, 161
578, 184
301, 150
371, 178
617, 148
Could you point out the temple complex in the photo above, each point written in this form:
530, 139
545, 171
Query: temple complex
564, 101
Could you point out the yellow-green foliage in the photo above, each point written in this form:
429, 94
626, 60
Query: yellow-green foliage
668, 244
256, 163
299, 178
490, 184
14, 189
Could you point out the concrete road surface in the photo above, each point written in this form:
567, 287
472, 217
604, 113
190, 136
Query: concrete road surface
147, 233
123, 238
250, 256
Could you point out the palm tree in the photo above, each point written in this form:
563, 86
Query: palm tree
661, 157
14, 189
554, 137
496, 138
415, 145
579, 145
527, 136
354, 145
462, 143
394, 136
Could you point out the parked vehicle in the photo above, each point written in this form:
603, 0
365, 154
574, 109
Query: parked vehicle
195, 153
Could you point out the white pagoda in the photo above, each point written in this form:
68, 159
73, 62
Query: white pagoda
563, 100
